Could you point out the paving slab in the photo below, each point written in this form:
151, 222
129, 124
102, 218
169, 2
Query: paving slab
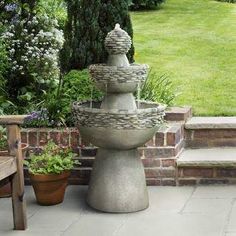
167, 199
208, 206
173, 225
230, 234
173, 211
96, 224
211, 157
211, 123
215, 192
231, 226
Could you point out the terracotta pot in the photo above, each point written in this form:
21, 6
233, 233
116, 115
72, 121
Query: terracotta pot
3, 153
50, 189
24, 148
5, 190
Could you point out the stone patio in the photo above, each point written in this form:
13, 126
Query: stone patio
173, 211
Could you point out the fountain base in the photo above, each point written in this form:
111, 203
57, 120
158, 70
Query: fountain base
118, 182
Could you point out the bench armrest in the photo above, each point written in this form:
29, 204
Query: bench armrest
12, 119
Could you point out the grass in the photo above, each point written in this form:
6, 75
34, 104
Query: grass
194, 42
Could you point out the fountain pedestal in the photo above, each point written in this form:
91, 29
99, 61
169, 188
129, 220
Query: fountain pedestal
118, 125
118, 182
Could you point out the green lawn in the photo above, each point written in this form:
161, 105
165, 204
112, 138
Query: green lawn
194, 42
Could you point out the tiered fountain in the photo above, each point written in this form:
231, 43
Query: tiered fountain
118, 125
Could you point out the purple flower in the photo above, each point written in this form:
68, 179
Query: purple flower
11, 7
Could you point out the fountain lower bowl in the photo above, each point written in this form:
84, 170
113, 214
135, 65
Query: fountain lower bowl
118, 129
115, 79
116, 139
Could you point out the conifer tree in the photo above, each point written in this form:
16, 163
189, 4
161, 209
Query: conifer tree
86, 29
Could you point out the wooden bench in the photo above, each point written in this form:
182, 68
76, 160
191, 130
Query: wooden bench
12, 166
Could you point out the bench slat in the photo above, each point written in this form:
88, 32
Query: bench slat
7, 166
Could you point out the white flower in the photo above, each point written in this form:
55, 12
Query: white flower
12, 50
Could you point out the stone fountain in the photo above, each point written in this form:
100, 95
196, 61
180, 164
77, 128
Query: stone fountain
118, 125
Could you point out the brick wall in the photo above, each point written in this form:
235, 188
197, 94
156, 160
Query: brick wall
158, 155
37, 137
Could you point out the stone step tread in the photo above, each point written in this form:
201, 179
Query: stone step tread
211, 123
213, 157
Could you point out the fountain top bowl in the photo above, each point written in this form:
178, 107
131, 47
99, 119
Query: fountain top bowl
116, 79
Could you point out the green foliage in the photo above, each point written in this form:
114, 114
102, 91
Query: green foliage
158, 89
3, 138
145, 4
87, 26
3, 68
56, 9
79, 86
52, 160
7, 107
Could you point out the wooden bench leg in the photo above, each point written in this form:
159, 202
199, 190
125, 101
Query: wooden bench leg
18, 205
18, 201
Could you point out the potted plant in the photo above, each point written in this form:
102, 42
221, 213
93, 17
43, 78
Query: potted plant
49, 172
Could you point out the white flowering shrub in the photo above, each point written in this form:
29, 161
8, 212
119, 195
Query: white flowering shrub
33, 46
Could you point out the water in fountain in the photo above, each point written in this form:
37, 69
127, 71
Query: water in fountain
106, 92
91, 97
138, 94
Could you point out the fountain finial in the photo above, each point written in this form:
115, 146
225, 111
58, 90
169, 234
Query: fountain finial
117, 41
117, 26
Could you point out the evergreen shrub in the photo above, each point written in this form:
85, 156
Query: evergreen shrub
145, 4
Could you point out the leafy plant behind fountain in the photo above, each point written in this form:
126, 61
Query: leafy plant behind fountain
55, 107
158, 88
